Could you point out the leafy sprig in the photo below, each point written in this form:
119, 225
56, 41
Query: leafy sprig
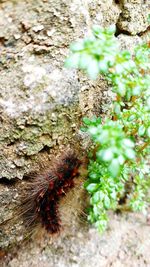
122, 141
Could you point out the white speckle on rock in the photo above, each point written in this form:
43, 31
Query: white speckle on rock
8, 105
55, 75
38, 28
34, 75
17, 36
51, 32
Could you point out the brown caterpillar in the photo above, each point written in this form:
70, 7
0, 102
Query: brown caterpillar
40, 204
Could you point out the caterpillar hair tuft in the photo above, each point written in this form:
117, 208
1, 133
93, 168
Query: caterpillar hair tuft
41, 201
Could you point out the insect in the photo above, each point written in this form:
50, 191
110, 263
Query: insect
41, 201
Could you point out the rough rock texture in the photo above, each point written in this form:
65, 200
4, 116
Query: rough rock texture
38, 95
134, 16
41, 107
126, 243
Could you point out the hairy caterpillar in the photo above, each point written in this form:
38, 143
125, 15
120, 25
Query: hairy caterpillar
40, 203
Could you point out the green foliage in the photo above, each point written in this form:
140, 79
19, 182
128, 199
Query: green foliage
94, 54
121, 153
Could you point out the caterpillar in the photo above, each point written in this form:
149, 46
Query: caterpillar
41, 201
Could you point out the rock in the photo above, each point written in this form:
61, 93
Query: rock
134, 17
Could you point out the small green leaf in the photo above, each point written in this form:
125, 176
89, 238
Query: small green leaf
96, 29
117, 108
107, 154
148, 131
128, 143
107, 202
83, 129
103, 66
130, 153
96, 197
141, 130
121, 159
72, 61
122, 89
136, 90
114, 167
93, 69
131, 118
87, 121
92, 187
113, 195
93, 176
76, 47
92, 130
101, 225
85, 61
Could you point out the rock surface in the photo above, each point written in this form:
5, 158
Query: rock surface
134, 16
41, 108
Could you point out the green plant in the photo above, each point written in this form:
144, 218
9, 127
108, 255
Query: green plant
120, 157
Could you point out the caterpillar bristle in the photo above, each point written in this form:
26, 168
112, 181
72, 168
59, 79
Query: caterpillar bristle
40, 203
